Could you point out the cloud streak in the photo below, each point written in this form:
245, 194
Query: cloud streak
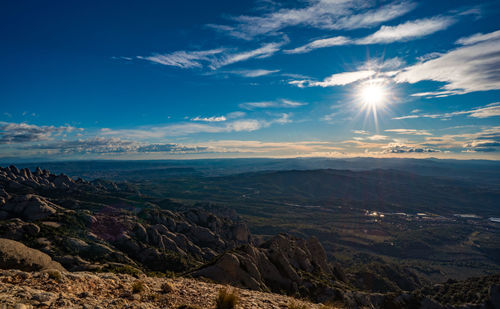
213, 58
386, 34
339, 79
490, 110
474, 67
322, 14
281, 103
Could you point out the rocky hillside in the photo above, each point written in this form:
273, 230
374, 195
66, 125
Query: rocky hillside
53, 223
105, 290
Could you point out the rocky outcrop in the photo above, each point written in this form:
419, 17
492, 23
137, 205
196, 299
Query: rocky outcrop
115, 231
284, 263
16, 255
30, 207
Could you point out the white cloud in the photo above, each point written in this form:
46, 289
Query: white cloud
339, 79
252, 73
386, 34
479, 37
323, 14
282, 103
213, 58
377, 137
363, 132
22, 132
185, 59
265, 51
188, 128
321, 43
409, 131
407, 31
209, 119
466, 69
490, 110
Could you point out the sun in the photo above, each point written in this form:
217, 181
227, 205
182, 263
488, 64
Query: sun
373, 95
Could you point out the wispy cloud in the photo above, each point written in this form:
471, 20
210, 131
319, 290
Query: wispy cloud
407, 31
321, 43
490, 110
363, 132
474, 67
339, 79
265, 51
181, 129
409, 131
188, 128
377, 137
22, 132
234, 115
323, 14
213, 58
386, 34
185, 59
282, 103
479, 37
209, 119
252, 73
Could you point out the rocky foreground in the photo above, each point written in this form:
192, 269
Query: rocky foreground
54, 289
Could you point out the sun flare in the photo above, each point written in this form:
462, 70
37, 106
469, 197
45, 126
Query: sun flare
373, 95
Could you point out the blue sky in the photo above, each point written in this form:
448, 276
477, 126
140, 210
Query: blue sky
262, 78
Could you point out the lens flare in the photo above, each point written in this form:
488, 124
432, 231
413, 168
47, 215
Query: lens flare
373, 95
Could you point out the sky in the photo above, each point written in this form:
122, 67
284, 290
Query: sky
261, 78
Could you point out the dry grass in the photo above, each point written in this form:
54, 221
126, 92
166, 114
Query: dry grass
54, 274
295, 305
166, 288
138, 287
226, 299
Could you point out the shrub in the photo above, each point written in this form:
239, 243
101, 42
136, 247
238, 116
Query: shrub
226, 299
166, 288
122, 269
187, 307
138, 287
54, 274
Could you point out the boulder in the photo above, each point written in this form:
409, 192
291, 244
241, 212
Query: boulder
14, 254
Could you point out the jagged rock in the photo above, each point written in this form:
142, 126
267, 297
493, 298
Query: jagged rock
63, 181
141, 233
241, 233
31, 229
16, 255
76, 245
276, 265
30, 207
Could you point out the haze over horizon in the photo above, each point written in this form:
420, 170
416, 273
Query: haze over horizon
261, 78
